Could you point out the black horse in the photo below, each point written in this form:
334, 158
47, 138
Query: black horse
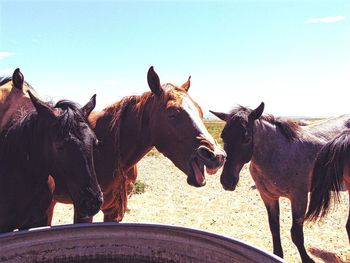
49, 140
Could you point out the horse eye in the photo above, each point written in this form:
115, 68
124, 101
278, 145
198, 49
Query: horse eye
172, 113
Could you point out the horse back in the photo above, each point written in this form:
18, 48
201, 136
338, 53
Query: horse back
329, 128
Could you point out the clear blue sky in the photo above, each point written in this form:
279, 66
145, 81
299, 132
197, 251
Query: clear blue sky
293, 55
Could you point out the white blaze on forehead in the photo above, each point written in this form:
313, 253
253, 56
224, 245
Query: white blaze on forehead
192, 110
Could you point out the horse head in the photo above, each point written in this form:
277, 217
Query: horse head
238, 142
179, 133
69, 146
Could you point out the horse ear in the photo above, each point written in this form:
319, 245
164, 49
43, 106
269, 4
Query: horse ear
154, 82
88, 108
221, 115
17, 79
255, 114
41, 107
187, 84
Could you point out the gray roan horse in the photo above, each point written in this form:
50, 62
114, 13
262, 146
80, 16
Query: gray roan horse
331, 169
281, 155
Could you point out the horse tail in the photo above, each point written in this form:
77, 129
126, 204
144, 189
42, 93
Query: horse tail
327, 176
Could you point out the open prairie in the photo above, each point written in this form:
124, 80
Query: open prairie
168, 199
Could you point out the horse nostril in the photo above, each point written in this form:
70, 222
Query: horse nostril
222, 158
224, 155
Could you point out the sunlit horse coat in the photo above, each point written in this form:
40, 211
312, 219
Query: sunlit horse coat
166, 118
281, 155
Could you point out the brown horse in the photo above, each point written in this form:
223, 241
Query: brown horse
14, 97
281, 155
37, 140
331, 170
167, 118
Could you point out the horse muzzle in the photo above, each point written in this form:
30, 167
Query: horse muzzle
229, 177
212, 159
90, 202
205, 158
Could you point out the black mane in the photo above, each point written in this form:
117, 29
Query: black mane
21, 139
290, 129
5, 79
70, 118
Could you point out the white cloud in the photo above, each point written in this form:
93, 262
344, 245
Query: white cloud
327, 19
4, 54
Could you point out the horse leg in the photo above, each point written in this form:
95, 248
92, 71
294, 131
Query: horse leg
51, 185
273, 212
348, 222
50, 212
111, 215
40, 219
347, 184
299, 203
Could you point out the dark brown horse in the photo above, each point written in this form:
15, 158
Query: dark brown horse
167, 118
47, 140
331, 170
281, 155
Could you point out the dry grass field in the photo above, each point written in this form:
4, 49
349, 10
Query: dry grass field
240, 214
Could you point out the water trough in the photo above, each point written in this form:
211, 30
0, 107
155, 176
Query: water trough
127, 243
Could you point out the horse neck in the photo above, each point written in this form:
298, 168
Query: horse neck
267, 139
272, 146
128, 136
23, 152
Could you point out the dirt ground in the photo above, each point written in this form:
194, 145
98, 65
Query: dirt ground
168, 199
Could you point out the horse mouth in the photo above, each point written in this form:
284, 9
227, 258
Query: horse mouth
229, 180
229, 188
197, 179
89, 203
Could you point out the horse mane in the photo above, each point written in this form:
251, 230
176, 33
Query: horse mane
117, 110
135, 102
5, 79
70, 118
290, 129
19, 139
